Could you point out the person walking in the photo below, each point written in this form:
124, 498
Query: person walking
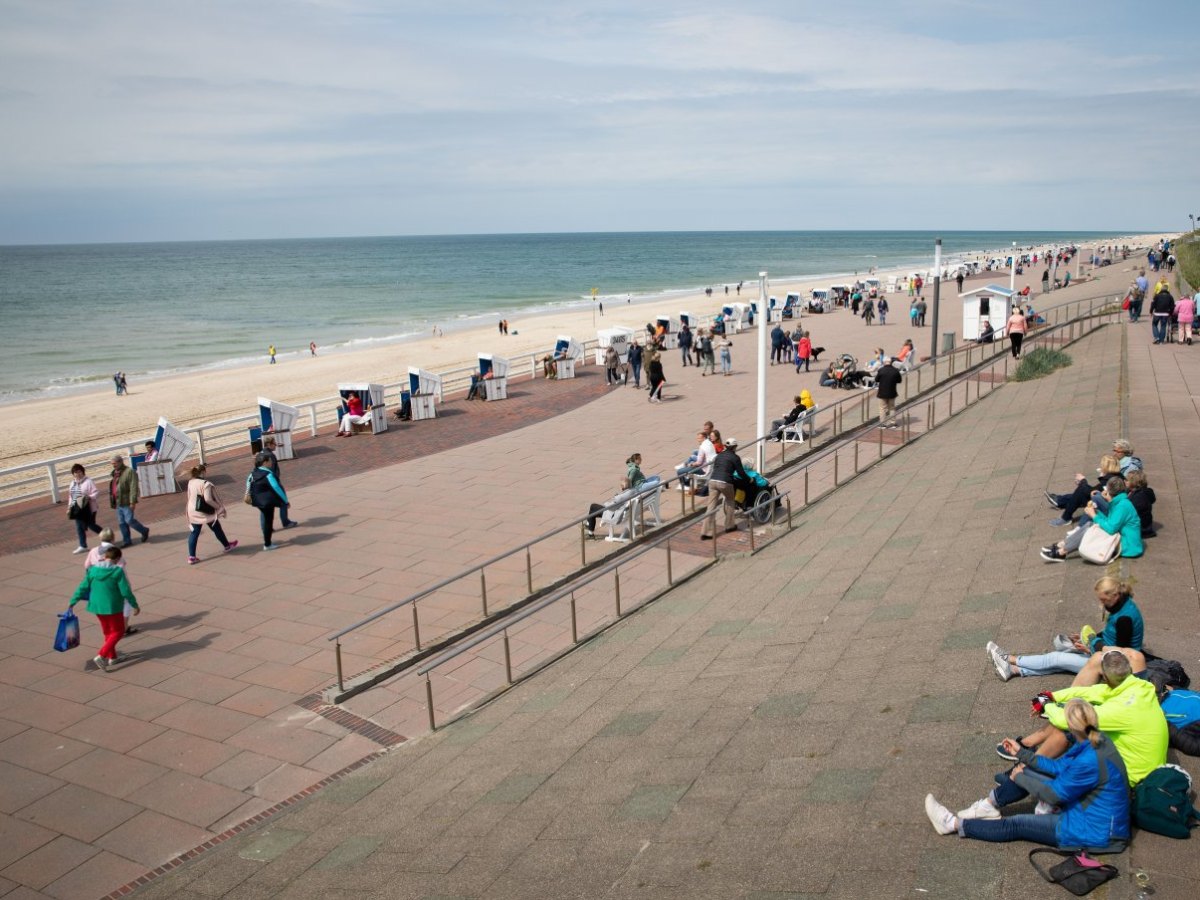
123, 496
635, 363
82, 495
887, 381
1016, 329
708, 356
1185, 312
107, 591
655, 376
922, 308
882, 307
266, 494
272, 463
204, 507
271, 353
868, 312
685, 344
1162, 308
803, 352
777, 339
960, 278
725, 469
726, 348
612, 360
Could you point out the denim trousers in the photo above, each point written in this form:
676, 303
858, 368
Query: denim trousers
127, 520
1050, 663
1037, 829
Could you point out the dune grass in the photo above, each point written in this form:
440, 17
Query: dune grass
1040, 362
1187, 255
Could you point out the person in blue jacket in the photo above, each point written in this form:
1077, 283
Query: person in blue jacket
1123, 627
1113, 512
1083, 796
266, 494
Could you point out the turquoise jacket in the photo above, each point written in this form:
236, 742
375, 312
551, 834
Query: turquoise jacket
1123, 519
106, 590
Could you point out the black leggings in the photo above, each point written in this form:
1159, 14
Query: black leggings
1015, 337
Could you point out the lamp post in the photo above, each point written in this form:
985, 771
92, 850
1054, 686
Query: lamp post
1192, 216
937, 292
762, 370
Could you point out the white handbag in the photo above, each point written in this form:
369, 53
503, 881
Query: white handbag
1098, 546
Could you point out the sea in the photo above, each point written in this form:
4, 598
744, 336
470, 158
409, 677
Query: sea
72, 315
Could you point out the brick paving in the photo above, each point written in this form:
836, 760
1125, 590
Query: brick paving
212, 723
769, 729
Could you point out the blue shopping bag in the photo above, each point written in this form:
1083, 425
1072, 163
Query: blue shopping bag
68, 631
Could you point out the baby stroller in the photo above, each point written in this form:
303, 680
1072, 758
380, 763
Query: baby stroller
756, 497
846, 371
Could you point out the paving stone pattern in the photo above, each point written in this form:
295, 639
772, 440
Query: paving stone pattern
799, 703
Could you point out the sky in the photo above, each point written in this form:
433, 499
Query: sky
144, 120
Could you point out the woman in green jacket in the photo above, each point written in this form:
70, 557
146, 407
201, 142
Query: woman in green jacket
1115, 514
107, 591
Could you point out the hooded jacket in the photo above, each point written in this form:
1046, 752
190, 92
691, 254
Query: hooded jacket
1123, 519
107, 591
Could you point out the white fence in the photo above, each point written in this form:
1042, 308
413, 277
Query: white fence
45, 478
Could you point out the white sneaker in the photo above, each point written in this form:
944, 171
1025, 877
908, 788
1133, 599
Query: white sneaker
1000, 661
1044, 809
943, 820
980, 809
101, 663
80, 550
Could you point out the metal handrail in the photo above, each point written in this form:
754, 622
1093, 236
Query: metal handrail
930, 399
837, 410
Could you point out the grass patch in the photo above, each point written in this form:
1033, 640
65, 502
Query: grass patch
1040, 363
1187, 255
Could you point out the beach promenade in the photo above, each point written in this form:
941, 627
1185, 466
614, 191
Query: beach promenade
108, 775
770, 729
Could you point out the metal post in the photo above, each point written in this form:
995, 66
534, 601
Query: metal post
312, 419
789, 506
337, 649
583, 536
929, 413
507, 659
806, 485
670, 574
835, 468
429, 702
200, 444
528, 570
880, 439
950, 397
919, 379
483, 590
856, 456
416, 627
617, 584
750, 526
574, 625
937, 289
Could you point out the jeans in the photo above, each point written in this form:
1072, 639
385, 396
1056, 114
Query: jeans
1071, 503
684, 352
726, 363
127, 520
1037, 829
805, 361
636, 368
1050, 663
194, 536
266, 517
85, 523
1135, 309
1160, 325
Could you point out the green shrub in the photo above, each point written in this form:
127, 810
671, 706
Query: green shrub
1039, 363
1187, 255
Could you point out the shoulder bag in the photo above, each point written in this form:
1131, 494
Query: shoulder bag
1098, 546
1078, 872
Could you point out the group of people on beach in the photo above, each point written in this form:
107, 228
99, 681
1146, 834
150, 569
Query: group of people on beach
105, 587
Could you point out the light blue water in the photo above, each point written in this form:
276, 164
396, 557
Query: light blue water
70, 316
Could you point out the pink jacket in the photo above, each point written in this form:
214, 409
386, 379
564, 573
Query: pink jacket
1185, 309
200, 487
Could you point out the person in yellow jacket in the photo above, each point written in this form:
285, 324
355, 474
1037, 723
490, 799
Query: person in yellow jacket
1128, 710
106, 591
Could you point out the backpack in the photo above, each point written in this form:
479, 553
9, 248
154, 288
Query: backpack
1162, 803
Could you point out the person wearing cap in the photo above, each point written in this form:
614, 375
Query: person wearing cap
123, 495
887, 382
725, 469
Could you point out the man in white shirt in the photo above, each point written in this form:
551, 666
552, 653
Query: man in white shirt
699, 463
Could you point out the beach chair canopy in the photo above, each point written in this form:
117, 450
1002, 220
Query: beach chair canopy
667, 322
568, 348
691, 320
369, 393
614, 336
422, 382
276, 416
173, 445
497, 366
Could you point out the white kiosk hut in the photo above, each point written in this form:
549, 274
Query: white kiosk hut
172, 447
493, 371
423, 388
669, 326
618, 338
991, 304
567, 352
691, 320
276, 420
371, 397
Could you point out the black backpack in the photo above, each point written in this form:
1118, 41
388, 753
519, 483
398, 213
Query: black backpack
1162, 803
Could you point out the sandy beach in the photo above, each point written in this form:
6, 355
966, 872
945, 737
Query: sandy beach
100, 417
